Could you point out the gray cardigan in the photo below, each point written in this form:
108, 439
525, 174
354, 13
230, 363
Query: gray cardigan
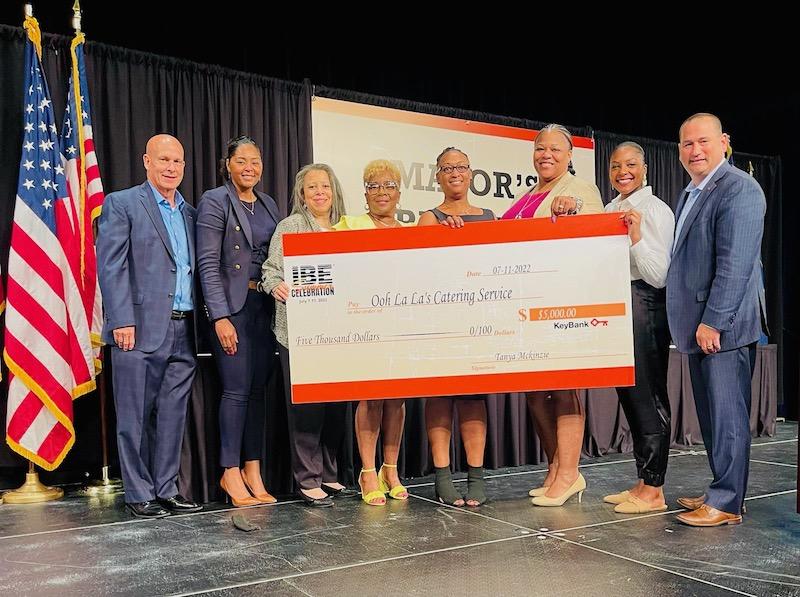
272, 269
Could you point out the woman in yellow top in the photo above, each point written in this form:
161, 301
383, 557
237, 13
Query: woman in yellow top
557, 414
382, 192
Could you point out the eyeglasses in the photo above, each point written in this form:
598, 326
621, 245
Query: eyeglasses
449, 169
374, 187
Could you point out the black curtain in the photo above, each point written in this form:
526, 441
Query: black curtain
133, 96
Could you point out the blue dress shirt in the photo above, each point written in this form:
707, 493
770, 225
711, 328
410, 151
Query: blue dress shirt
176, 230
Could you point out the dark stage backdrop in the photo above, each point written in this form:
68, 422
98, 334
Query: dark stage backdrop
668, 179
135, 95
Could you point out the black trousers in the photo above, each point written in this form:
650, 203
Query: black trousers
315, 434
646, 405
244, 376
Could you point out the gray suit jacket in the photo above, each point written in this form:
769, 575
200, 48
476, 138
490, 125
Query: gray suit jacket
136, 266
224, 247
715, 273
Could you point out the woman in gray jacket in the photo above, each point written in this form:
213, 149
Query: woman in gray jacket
315, 430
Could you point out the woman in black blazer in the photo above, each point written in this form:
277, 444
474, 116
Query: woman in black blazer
235, 223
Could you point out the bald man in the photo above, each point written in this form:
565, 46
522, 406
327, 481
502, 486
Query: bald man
146, 266
713, 286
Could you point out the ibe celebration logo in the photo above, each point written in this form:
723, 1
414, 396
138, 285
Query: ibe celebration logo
312, 280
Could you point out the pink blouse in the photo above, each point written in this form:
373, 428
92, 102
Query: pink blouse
525, 207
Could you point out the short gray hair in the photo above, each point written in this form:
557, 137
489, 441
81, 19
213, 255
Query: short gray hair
298, 201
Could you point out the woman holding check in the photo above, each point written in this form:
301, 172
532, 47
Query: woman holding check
453, 173
373, 417
315, 430
557, 414
651, 226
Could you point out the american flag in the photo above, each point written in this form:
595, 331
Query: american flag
2, 305
85, 189
47, 348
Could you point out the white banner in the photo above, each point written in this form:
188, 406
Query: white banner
348, 135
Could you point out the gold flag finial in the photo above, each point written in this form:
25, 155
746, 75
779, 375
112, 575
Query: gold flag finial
31, 27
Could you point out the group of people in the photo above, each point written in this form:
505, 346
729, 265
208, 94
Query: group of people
696, 281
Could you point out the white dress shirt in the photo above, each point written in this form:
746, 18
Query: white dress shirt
650, 256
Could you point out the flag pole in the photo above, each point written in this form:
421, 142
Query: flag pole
105, 484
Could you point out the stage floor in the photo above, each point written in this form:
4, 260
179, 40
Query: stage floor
84, 545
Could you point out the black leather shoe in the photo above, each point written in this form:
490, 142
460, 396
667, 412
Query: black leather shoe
178, 504
344, 492
146, 510
325, 502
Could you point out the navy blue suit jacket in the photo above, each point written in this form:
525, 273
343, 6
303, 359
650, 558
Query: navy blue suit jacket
715, 273
136, 266
224, 248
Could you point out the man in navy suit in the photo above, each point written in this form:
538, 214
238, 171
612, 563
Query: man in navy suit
146, 266
713, 288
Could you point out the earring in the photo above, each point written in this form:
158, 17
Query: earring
366, 206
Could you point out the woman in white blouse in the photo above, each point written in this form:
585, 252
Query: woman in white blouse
651, 226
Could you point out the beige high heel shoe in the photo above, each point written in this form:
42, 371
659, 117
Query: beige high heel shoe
537, 491
238, 502
264, 498
577, 487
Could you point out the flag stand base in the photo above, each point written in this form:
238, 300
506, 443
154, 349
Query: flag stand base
32, 492
105, 484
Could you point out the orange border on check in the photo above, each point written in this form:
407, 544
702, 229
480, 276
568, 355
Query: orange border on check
486, 383
474, 233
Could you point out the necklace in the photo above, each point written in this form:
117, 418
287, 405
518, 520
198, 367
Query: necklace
252, 209
524, 207
381, 222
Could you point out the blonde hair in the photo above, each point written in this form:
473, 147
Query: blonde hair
377, 166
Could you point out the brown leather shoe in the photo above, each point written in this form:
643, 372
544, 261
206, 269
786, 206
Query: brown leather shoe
706, 516
692, 503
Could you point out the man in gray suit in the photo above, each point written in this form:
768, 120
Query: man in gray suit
713, 288
146, 265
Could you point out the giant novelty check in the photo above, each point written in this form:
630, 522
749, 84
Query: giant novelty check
491, 307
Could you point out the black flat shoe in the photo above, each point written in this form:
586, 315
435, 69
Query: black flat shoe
146, 510
343, 492
177, 504
325, 502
